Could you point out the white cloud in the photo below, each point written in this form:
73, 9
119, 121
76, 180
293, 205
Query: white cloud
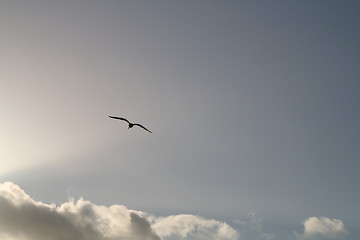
194, 227
322, 227
22, 218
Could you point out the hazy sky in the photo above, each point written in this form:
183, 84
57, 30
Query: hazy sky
254, 108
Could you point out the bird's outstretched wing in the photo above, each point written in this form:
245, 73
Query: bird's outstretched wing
136, 124
120, 118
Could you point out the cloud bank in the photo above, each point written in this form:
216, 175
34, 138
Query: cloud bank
22, 218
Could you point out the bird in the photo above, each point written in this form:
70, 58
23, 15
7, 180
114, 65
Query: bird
130, 124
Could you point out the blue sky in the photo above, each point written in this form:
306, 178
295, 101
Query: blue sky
252, 104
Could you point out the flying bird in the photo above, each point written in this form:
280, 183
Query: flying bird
130, 124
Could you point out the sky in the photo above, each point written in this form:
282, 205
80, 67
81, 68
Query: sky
253, 107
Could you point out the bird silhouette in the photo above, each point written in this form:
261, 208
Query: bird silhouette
130, 124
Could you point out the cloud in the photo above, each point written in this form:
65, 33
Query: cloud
252, 229
22, 218
194, 227
322, 228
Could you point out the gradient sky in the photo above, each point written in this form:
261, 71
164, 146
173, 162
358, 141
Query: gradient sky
254, 107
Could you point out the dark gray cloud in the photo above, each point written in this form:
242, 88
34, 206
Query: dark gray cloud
142, 228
